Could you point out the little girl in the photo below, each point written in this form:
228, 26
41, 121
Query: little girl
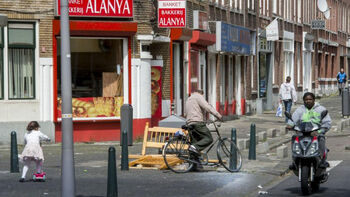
32, 150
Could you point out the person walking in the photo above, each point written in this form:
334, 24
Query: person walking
341, 78
196, 109
287, 95
32, 151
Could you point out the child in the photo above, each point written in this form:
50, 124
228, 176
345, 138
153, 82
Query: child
32, 150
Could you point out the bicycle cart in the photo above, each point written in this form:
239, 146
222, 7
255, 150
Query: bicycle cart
179, 159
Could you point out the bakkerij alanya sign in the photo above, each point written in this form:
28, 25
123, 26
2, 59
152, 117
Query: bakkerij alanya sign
99, 8
231, 38
172, 13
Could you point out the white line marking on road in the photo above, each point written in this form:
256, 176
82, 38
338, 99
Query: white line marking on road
332, 164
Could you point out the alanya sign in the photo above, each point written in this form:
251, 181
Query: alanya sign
99, 8
172, 13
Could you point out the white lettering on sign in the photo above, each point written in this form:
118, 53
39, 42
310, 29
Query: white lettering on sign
172, 22
78, 2
173, 12
172, 4
123, 7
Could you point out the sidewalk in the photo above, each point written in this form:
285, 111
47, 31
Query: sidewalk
91, 164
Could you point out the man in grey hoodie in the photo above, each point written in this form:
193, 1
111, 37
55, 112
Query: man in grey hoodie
310, 112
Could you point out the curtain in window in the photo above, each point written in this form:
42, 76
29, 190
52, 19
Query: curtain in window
21, 67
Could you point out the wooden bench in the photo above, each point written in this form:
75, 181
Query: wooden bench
156, 138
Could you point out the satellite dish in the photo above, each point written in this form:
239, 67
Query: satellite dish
327, 14
322, 5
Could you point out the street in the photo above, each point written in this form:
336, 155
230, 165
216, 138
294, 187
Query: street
337, 184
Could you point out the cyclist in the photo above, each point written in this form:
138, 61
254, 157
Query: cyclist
195, 113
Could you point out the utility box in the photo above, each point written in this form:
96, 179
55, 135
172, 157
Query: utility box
126, 117
172, 121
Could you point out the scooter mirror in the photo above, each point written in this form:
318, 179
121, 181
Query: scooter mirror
324, 114
288, 115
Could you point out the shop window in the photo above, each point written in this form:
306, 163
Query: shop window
21, 50
97, 77
1, 64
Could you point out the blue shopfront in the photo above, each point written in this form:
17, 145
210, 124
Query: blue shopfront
233, 44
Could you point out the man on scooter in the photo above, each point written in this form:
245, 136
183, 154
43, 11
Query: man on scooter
311, 112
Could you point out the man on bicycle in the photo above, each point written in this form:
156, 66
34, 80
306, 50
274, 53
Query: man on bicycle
195, 112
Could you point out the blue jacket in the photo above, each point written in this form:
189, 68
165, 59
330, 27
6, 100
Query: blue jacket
341, 77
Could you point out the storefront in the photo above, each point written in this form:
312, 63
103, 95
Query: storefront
233, 45
101, 73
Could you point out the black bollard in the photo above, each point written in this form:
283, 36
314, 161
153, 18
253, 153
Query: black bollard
125, 154
112, 185
233, 156
14, 153
252, 145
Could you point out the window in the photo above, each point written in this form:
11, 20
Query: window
21, 52
1, 64
274, 6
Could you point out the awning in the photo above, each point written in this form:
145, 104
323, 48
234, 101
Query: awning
203, 38
97, 28
181, 34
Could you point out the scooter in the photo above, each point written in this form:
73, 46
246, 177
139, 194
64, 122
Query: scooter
39, 177
306, 156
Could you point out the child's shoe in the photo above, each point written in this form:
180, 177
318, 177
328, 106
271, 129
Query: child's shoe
21, 180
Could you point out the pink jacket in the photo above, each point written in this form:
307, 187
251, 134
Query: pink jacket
196, 108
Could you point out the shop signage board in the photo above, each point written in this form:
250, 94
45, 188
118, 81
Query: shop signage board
318, 24
171, 13
231, 38
98, 8
272, 33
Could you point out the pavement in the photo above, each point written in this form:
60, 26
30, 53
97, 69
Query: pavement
91, 164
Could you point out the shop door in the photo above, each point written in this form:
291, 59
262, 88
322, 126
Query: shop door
178, 79
195, 71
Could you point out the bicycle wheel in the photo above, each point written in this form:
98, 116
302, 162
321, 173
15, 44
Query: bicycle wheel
229, 155
176, 155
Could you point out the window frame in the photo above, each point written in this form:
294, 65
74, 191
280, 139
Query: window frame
22, 46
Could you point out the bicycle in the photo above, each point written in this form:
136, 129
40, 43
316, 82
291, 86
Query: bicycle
179, 159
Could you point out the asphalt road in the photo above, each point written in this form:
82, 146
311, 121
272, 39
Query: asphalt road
338, 182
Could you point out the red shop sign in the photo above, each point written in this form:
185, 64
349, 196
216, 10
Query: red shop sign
100, 8
172, 13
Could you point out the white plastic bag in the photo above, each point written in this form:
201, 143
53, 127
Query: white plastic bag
279, 110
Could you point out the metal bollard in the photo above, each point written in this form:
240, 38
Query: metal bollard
14, 153
126, 117
125, 154
233, 156
252, 145
112, 185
